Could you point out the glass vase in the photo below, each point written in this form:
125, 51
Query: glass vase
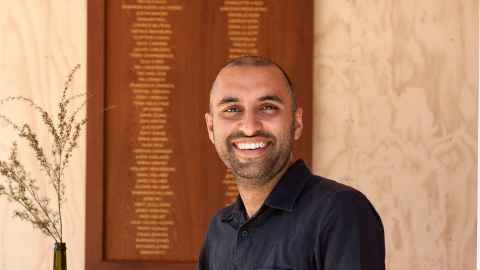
60, 256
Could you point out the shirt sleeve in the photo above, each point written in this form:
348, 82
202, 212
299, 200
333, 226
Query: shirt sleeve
353, 236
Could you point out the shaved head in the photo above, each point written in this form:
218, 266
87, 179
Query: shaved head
257, 61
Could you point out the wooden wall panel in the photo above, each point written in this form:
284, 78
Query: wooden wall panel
395, 115
40, 42
154, 180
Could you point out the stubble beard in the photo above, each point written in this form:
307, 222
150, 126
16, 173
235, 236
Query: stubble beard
258, 172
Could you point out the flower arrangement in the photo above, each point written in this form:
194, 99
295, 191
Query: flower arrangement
18, 185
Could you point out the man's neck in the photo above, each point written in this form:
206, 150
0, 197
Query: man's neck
253, 196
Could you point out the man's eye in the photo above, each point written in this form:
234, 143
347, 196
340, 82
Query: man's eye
232, 110
269, 107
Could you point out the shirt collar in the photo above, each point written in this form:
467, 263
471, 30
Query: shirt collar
288, 189
234, 211
284, 194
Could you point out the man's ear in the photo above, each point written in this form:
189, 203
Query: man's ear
209, 123
298, 115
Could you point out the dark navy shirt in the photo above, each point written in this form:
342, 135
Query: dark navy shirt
306, 222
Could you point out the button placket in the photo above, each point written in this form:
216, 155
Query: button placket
242, 245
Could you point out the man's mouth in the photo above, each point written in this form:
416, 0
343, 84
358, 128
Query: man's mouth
251, 148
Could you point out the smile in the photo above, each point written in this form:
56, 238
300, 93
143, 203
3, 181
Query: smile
250, 146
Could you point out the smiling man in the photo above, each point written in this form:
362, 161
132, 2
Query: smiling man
284, 217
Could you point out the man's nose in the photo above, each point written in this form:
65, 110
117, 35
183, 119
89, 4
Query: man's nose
250, 124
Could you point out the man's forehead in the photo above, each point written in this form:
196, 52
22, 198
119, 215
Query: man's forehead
259, 72
238, 80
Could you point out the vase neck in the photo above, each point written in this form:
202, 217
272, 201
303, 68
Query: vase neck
60, 246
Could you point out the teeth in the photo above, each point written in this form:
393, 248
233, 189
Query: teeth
250, 146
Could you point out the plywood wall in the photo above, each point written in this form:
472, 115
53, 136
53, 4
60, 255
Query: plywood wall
395, 113
40, 42
395, 116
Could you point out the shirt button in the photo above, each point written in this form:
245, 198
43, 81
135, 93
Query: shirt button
244, 234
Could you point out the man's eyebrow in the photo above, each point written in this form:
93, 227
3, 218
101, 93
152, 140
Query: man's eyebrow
271, 98
226, 100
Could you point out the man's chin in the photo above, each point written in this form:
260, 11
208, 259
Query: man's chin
251, 169
251, 178
250, 163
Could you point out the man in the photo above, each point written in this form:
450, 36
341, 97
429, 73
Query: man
284, 217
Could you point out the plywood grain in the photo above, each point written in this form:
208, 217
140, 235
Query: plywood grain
395, 86
40, 42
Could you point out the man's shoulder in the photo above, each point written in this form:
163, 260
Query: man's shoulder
328, 192
337, 197
301, 178
324, 186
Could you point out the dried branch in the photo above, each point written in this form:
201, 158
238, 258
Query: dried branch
19, 186
23, 190
46, 119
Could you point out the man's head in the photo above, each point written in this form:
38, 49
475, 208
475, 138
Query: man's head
253, 118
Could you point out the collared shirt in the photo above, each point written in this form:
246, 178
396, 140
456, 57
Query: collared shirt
306, 222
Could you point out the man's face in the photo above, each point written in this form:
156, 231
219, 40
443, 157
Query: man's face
251, 121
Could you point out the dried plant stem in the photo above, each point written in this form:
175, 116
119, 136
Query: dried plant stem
55, 235
36, 220
44, 210
19, 186
59, 199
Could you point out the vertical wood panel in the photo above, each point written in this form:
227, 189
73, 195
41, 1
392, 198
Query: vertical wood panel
191, 191
40, 42
395, 86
